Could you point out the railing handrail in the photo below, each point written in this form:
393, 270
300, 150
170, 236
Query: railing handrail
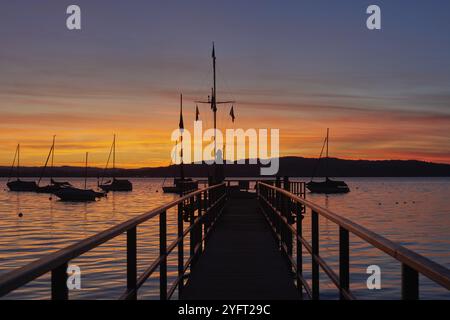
20, 276
421, 264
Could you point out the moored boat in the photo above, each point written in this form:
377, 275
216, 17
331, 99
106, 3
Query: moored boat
181, 185
19, 185
72, 194
54, 185
115, 184
328, 186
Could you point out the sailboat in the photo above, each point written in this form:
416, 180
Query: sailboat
72, 194
115, 184
54, 185
182, 184
328, 186
19, 185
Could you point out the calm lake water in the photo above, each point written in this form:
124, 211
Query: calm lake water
414, 212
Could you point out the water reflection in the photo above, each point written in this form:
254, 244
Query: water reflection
414, 212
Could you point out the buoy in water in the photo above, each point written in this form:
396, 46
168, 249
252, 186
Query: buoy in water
20, 214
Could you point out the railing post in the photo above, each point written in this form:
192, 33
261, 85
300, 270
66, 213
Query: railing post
163, 254
59, 283
315, 251
180, 249
410, 283
299, 249
131, 262
199, 225
192, 234
344, 262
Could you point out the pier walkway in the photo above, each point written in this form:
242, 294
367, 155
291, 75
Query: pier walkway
241, 259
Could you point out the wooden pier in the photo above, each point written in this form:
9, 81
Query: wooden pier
242, 260
234, 243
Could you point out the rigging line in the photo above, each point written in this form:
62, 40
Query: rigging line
45, 166
12, 166
107, 164
318, 162
175, 152
53, 156
224, 82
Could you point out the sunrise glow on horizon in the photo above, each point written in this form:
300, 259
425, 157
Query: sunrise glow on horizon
383, 95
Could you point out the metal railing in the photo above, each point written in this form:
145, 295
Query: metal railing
283, 210
200, 209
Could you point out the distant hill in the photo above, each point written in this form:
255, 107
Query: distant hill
289, 166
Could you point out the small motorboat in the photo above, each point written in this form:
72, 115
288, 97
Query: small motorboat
328, 186
71, 194
181, 185
19, 185
22, 186
114, 184
117, 185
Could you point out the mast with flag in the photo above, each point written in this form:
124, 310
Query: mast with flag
212, 100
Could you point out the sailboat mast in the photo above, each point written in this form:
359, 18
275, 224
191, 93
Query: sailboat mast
326, 159
181, 125
85, 171
328, 139
114, 157
18, 161
53, 158
213, 101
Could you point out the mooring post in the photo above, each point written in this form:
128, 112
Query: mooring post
163, 255
299, 217
180, 249
288, 216
131, 263
315, 253
59, 283
344, 261
410, 283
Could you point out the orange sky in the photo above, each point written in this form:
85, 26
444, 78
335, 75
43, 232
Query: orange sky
144, 137
384, 95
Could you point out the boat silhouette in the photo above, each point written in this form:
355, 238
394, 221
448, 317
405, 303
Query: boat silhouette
54, 185
115, 184
19, 185
328, 186
72, 194
182, 184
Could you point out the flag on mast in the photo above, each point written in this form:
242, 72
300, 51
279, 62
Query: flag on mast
197, 114
232, 114
181, 125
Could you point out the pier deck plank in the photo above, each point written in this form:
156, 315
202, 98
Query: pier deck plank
241, 260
